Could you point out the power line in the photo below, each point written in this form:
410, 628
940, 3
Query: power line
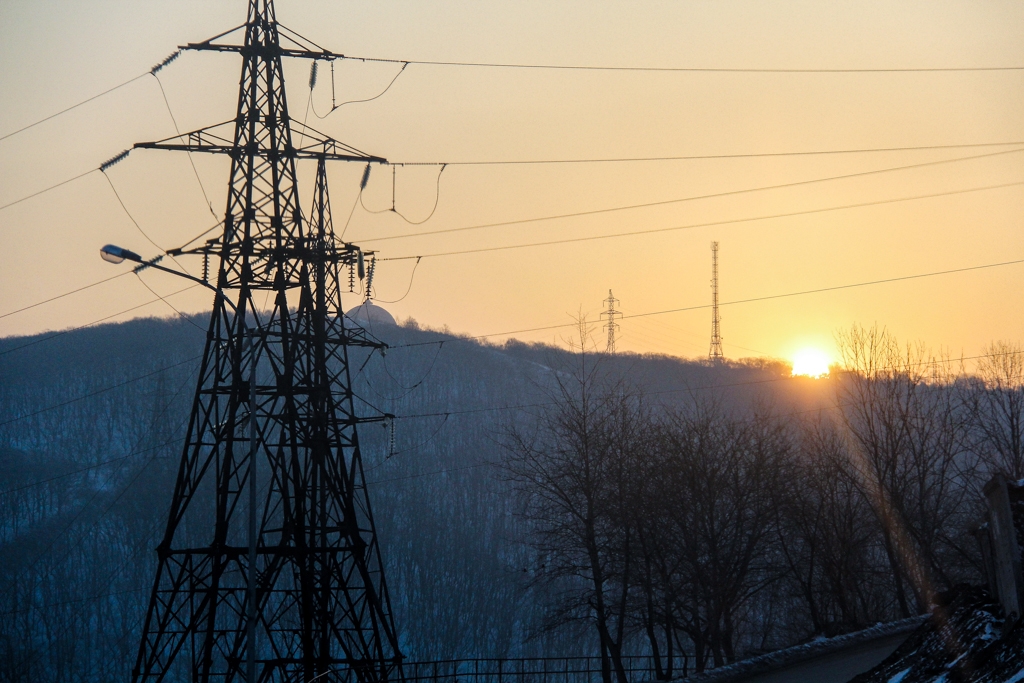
47, 189
691, 226
183, 316
673, 69
40, 482
99, 490
713, 195
753, 155
102, 168
61, 296
94, 322
177, 130
727, 303
616, 160
153, 71
97, 392
700, 157
129, 214
74, 106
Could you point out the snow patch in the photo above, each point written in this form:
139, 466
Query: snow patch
900, 676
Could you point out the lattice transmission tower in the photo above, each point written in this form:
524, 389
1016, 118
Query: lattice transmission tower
612, 327
715, 355
269, 568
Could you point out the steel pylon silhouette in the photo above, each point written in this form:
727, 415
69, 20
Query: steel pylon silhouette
269, 568
715, 355
611, 326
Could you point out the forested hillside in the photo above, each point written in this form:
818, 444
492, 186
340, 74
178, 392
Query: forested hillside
735, 509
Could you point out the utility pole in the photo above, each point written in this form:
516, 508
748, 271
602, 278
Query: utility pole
715, 355
277, 578
611, 326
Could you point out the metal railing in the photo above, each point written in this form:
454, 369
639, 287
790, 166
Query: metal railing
530, 670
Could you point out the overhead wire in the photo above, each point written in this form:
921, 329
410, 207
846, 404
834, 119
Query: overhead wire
99, 490
408, 289
437, 197
47, 189
90, 324
733, 221
592, 161
153, 71
181, 315
203, 234
61, 296
348, 220
97, 392
139, 227
418, 446
40, 482
335, 107
407, 389
713, 195
702, 157
672, 69
724, 303
188, 153
128, 213
74, 106
556, 216
449, 413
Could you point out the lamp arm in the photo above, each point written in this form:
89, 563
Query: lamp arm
193, 278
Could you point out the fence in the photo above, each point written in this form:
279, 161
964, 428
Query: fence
530, 670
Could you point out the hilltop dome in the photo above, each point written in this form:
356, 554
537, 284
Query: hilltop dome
369, 315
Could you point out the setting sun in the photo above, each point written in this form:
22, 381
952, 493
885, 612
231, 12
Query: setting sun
810, 362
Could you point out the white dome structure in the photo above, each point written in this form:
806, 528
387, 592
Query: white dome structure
368, 315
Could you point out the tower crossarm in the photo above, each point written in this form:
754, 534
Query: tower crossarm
264, 51
304, 47
217, 139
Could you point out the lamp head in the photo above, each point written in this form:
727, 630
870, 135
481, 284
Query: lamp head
115, 254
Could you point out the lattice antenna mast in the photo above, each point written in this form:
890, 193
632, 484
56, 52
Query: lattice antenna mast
269, 567
611, 314
715, 355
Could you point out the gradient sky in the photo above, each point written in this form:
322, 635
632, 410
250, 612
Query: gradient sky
56, 53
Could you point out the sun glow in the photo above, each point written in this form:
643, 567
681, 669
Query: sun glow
810, 362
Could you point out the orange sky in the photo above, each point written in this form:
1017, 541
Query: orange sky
53, 54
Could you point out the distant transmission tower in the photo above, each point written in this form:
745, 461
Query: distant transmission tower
715, 355
612, 315
269, 570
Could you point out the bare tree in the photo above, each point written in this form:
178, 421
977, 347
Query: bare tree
995, 400
827, 535
572, 468
720, 474
910, 457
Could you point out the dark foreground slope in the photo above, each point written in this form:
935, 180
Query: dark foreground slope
965, 640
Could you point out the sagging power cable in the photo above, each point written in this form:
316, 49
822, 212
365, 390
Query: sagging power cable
692, 198
334, 105
174, 55
691, 226
684, 69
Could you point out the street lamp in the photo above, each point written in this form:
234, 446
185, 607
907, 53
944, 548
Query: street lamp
112, 253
